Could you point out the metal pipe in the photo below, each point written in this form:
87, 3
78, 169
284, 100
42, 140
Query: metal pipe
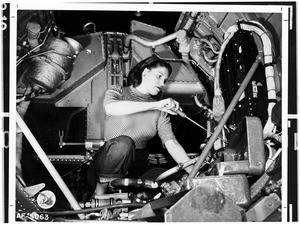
151, 43
88, 210
204, 107
49, 166
176, 169
72, 143
225, 117
210, 45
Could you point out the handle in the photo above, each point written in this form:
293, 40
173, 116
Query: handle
179, 112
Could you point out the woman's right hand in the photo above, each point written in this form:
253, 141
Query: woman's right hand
168, 105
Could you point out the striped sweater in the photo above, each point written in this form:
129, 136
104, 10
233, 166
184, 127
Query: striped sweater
141, 127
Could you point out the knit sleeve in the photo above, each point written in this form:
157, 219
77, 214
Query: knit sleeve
114, 93
165, 131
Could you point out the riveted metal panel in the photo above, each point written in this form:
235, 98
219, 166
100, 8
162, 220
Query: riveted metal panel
203, 204
235, 187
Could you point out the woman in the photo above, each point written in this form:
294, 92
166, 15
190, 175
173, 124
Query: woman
133, 117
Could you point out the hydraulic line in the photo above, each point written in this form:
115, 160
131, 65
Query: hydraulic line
208, 112
257, 28
177, 168
152, 44
73, 212
210, 45
225, 117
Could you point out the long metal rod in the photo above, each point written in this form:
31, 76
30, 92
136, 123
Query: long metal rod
183, 115
49, 166
196, 124
225, 117
204, 128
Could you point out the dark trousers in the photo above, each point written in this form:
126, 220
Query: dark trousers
118, 158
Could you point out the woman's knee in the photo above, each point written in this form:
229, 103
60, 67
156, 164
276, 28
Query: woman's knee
115, 156
123, 142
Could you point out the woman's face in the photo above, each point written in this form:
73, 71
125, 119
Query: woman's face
153, 80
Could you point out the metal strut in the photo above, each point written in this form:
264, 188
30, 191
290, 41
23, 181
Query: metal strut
49, 166
226, 115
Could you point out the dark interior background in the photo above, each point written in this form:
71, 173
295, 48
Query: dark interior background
72, 22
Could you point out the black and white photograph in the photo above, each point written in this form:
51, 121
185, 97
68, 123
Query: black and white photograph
199, 97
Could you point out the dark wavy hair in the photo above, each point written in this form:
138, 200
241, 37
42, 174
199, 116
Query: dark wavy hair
135, 74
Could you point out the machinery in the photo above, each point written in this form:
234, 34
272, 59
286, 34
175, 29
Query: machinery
226, 77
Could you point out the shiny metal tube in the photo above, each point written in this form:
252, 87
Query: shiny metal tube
89, 210
151, 43
225, 117
49, 166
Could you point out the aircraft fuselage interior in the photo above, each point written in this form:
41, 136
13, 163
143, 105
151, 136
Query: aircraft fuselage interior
226, 76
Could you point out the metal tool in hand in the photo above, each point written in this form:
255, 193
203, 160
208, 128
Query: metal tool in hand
183, 115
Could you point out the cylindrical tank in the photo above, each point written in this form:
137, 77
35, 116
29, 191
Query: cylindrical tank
50, 67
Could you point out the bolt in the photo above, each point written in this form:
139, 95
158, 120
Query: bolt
270, 204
